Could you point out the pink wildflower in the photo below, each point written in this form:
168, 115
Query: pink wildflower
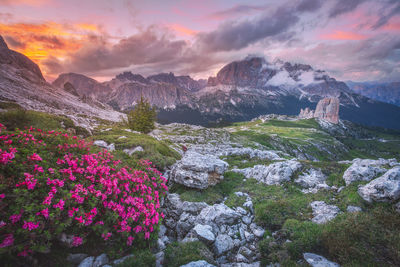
8, 241
24, 253
15, 218
35, 157
59, 205
77, 241
30, 225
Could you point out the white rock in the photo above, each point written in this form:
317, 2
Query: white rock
273, 174
223, 243
323, 212
201, 263
104, 144
101, 260
257, 230
318, 261
312, 179
198, 171
353, 209
204, 233
88, 262
364, 170
385, 188
160, 244
218, 214
133, 150
159, 259
122, 137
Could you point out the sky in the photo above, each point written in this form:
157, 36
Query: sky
355, 40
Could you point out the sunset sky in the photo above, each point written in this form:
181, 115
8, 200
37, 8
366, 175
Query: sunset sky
355, 40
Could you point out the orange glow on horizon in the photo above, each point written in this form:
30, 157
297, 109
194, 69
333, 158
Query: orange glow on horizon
42, 41
182, 30
341, 35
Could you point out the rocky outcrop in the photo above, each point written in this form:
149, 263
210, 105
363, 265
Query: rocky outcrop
312, 181
323, 212
230, 233
273, 174
103, 144
306, 113
201, 263
198, 171
327, 109
318, 261
383, 189
366, 169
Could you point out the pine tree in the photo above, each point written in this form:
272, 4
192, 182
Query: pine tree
142, 118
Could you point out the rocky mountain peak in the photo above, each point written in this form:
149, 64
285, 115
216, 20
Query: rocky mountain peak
327, 109
242, 73
18, 62
127, 75
164, 77
3, 43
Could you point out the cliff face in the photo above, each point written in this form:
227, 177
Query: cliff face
306, 113
327, 110
19, 63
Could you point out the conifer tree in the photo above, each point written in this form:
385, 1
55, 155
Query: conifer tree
143, 116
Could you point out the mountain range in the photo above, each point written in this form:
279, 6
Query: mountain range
241, 90
22, 82
388, 92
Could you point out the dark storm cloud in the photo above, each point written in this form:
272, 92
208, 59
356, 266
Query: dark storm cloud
142, 48
309, 5
233, 36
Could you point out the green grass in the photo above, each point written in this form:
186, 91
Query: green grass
156, 151
177, 254
141, 258
244, 161
310, 123
215, 194
235, 201
20, 118
364, 238
9, 105
370, 238
290, 136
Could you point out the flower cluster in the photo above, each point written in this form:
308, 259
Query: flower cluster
52, 184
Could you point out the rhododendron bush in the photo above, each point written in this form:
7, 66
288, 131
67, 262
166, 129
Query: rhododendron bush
52, 185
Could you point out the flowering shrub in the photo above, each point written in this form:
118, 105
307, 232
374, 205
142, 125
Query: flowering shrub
51, 184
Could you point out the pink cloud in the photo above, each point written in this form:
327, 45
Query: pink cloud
342, 35
181, 30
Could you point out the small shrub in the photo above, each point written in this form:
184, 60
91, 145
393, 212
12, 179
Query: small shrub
305, 237
143, 258
364, 238
51, 184
235, 201
177, 254
142, 118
